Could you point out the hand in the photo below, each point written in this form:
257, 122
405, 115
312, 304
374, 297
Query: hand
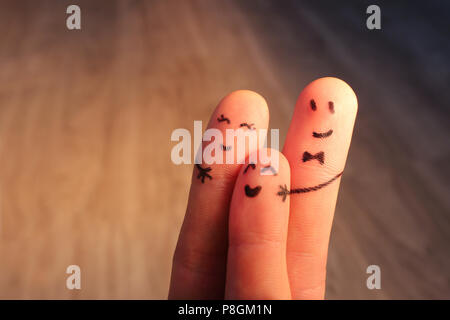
252, 236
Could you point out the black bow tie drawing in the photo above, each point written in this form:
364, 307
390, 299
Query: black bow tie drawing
320, 156
203, 173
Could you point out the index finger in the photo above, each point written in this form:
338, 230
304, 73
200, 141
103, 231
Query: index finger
200, 257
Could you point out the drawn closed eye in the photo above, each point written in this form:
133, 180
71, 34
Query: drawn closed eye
250, 165
249, 126
225, 148
222, 118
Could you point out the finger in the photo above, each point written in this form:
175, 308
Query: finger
258, 228
199, 261
316, 147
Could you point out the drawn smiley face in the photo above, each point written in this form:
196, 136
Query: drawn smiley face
204, 172
322, 126
318, 156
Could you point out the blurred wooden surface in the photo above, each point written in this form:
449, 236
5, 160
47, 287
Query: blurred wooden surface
86, 118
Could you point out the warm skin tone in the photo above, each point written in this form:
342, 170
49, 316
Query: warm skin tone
244, 246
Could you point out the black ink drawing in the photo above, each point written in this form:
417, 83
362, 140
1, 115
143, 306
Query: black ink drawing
249, 126
252, 192
203, 173
225, 148
222, 118
320, 156
323, 134
313, 105
252, 165
269, 168
284, 192
331, 106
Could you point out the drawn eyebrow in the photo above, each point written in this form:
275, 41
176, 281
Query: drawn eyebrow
331, 106
313, 105
252, 192
222, 118
270, 168
252, 165
322, 134
225, 148
250, 126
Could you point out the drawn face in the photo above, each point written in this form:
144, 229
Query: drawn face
321, 126
319, 156
204, 172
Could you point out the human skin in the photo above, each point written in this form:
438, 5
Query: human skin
252, 236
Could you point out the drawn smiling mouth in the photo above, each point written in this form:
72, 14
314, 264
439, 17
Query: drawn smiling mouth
252, 192
284, 192
322, 134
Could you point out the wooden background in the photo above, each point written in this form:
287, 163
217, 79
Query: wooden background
86, 118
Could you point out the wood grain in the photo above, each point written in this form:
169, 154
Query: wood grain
86, 118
